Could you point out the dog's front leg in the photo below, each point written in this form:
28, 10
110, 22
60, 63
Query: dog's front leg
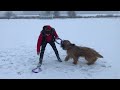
75, 60
67, 58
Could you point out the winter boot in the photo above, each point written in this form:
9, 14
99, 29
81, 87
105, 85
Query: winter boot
59, 58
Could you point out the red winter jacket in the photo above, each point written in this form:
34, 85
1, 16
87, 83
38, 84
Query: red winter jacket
48, 38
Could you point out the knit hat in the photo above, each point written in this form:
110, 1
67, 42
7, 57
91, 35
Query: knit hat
48, 27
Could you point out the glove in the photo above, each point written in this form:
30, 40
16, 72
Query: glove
58, 38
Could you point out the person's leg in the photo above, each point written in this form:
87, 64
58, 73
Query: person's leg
42, 53
55, 50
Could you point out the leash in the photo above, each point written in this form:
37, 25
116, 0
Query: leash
58, 42
37, 69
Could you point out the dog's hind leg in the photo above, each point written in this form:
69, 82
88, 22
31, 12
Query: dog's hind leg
92, 61
67, 58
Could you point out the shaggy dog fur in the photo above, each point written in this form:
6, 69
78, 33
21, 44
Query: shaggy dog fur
75, 52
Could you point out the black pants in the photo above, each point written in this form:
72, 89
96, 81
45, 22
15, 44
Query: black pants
43, 49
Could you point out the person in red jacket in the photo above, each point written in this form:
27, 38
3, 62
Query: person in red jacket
47, 35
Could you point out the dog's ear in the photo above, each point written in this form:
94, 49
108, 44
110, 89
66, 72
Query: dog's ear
72, 44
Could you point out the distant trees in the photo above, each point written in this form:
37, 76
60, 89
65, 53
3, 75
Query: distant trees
71, 14
51, 15
9, 14
47, 13
56, 13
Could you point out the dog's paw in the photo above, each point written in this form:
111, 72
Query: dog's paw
90, 63
75, 63
66, 60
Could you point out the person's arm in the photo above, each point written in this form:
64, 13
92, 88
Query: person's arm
39, 42
56, 35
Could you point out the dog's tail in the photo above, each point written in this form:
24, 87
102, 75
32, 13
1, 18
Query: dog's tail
97, 54
100, 56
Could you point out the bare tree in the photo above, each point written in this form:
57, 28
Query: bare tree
71, 14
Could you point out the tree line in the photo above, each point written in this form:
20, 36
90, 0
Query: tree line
55, 14
52, 14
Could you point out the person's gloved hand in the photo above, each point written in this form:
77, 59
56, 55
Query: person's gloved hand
58, 38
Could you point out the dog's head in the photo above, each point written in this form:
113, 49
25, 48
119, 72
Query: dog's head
66, 44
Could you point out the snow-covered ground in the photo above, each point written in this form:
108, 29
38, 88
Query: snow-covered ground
18, 39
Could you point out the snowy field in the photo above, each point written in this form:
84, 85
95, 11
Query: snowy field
18, 39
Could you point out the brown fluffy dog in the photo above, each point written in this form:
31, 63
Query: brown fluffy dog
75, 52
